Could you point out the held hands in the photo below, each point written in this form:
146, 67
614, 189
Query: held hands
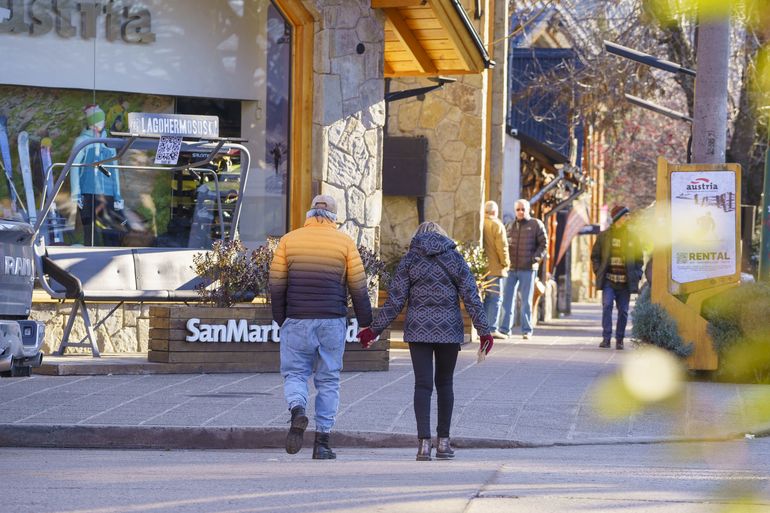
119, 205
366, 336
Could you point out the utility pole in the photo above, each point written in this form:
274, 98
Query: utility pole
764, 246
709, 126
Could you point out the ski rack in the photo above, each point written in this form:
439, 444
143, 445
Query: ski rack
123, 142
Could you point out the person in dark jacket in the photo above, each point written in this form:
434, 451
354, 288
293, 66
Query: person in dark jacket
313, 269
527, 247
616, 259
430, 279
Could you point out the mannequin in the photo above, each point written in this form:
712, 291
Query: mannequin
97, 196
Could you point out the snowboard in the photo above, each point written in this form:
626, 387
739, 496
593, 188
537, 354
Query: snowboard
5, 153
26, 175
55, 221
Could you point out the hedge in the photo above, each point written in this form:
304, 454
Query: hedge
653, 325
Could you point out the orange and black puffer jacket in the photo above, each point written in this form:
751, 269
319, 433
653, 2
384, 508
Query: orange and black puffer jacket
312, 270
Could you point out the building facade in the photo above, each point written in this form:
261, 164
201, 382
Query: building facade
303, 82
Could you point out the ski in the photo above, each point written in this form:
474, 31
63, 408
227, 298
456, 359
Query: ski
26, 175
55, 221
5, 152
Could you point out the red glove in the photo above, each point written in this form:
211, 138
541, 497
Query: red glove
366, 336
486, 342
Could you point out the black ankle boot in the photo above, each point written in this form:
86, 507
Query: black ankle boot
444, 449
321, 449
605, 343
424, 447
296, 430
619, 343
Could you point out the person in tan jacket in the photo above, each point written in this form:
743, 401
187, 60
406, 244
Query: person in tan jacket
496, 249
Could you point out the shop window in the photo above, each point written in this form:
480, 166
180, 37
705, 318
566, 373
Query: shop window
245, 64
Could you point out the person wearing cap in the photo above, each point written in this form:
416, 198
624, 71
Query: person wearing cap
313, 270
527, 246
616, 259
496, 249
92, 192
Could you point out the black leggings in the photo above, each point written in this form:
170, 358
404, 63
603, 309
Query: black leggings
422, 363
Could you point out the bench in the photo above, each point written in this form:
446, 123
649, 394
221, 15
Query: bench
152, 275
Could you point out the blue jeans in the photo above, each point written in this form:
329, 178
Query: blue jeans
309, 343
621, 299
525, 281
493, 298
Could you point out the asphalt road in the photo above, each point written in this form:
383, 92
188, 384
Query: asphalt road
720, 477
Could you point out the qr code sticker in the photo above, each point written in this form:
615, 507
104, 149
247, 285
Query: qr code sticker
681, 258
168, 150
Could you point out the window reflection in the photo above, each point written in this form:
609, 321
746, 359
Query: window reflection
135, 205
267, 205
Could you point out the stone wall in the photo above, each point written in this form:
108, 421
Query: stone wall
349, 113
126, 331
451, 120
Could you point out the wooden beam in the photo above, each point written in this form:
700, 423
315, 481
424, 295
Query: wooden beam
395, 73
389, 4
409, 41
300, 144
458, 34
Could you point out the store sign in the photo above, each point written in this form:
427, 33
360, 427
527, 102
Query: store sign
703, 215
241, 331
122, 22
174, 125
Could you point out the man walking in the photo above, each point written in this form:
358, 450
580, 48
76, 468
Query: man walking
496, 249
616, 258
527, 245
312, 270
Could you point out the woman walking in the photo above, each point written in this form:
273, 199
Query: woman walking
430, 279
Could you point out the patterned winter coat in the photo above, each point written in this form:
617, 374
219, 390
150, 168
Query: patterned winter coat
433, 309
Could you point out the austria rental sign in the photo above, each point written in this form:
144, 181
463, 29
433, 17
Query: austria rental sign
703, 215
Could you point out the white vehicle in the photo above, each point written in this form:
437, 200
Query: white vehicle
20, 338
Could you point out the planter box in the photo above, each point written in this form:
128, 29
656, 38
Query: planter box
239, 339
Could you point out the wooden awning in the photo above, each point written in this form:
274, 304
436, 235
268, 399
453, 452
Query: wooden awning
429, 38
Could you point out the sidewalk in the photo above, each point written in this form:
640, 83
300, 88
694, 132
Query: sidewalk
536, 393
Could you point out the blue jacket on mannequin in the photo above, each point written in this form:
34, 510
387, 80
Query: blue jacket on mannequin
88, 179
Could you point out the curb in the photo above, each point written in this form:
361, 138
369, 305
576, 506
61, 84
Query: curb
192, 438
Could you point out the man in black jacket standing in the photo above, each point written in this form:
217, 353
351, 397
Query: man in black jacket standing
527, 246
616, 259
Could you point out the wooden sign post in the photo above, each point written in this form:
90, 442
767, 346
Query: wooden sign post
697, 249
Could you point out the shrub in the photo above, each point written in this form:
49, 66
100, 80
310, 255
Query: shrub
229, 274
477, 261
376, 270
653, 325
739, 327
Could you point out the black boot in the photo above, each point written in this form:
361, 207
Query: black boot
296, 430
444, 450
321, 449
605, 343
424, 447
619, 343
